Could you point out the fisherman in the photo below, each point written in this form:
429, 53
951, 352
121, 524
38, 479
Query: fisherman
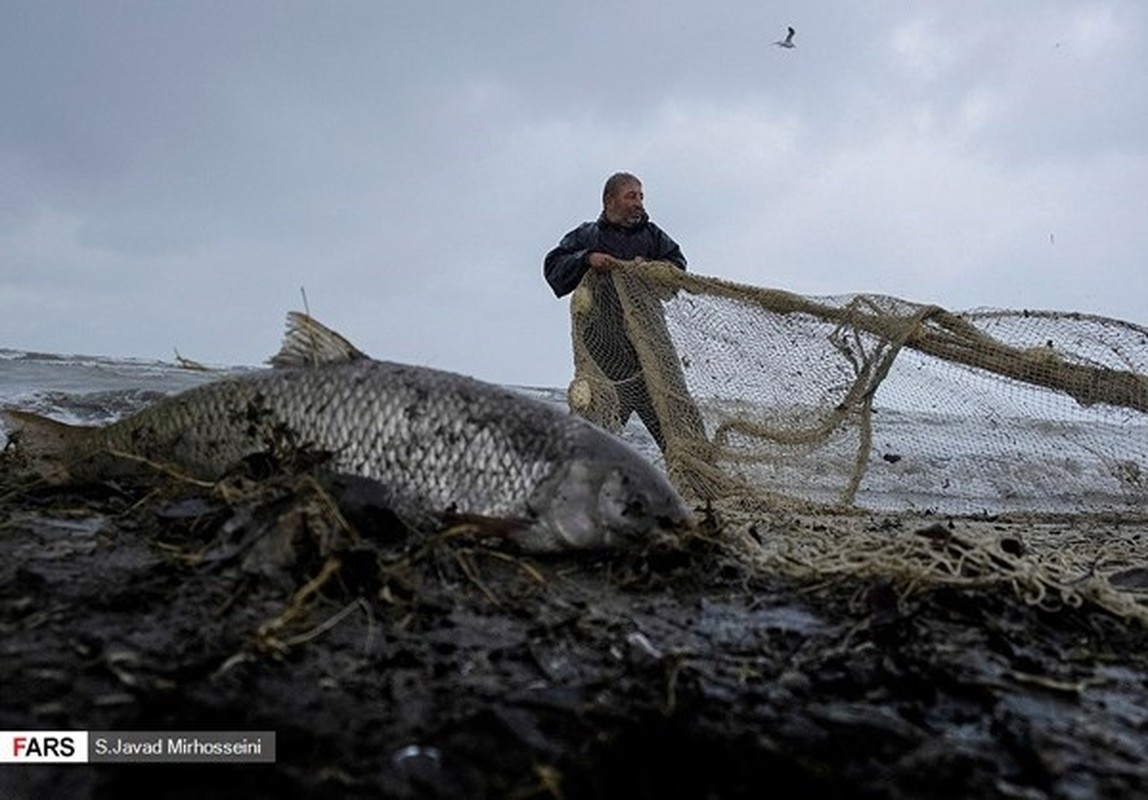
623, 232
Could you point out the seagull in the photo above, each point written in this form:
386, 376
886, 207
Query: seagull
788, 40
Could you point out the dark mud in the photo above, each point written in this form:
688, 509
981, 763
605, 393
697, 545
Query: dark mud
399, 666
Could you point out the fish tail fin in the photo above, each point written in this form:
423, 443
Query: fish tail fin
42, 445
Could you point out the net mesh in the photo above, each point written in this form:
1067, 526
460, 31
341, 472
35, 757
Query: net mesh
765, 400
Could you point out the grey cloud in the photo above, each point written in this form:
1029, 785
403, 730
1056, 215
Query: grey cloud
410, 163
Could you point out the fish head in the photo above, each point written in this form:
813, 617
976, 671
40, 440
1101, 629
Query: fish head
604, 500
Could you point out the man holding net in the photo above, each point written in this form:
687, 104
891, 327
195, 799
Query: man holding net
623, 232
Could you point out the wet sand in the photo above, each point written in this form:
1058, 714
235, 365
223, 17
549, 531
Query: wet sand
392, 665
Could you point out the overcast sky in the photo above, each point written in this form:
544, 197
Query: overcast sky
172, 173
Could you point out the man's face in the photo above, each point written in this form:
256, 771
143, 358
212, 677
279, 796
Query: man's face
624, 207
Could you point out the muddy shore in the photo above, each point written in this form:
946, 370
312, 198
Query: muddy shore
392, 665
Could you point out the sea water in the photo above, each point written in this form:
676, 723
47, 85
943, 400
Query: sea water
921, 459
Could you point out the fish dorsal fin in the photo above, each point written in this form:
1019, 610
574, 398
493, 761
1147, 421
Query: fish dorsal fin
309, 343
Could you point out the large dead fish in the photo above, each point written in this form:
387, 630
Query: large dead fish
437, 445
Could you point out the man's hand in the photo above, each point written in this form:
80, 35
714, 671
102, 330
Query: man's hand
601, 262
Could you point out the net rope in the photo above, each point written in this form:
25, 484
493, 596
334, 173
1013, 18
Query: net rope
768, 402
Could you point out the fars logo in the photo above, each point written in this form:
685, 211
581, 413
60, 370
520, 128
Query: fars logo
43, 747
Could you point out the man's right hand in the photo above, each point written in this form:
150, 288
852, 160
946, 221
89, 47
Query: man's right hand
601, 261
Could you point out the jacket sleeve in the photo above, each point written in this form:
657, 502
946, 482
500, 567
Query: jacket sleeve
566, 264
667, 249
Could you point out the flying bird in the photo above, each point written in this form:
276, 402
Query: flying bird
788, 40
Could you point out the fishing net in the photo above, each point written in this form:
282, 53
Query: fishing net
761, 399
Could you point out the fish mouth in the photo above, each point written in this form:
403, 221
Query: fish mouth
681, 520
686, 521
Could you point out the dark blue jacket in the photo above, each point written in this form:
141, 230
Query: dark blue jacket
605, 332
566, 264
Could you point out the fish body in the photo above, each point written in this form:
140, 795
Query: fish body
437, 444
